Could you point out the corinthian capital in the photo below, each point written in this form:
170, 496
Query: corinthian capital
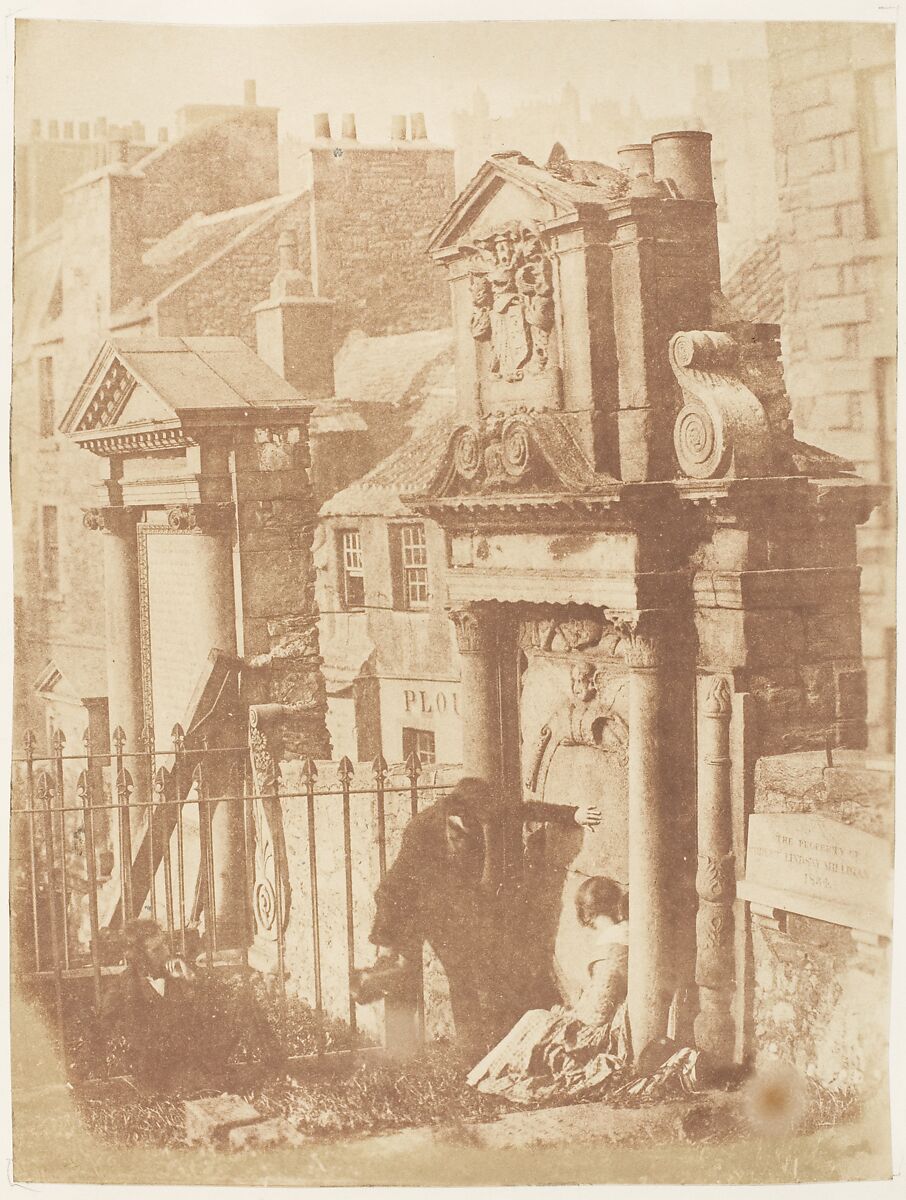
476, 629
110, 519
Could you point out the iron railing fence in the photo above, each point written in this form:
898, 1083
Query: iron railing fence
175, 835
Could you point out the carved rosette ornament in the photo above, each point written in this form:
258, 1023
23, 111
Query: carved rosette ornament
511, 285
715, 880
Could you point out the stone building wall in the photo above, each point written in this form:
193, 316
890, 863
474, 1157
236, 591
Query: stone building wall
220, 299
833, 107
374, 208
811, 978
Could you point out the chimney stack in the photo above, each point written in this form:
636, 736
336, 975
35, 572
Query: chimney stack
138, 131
68, 130
36, 128
251, 93
117, 145
294, 328
84, 131
53, 130
349, 126
418, 127
322, 125
685, 157
100, 129
637, 159
398, 129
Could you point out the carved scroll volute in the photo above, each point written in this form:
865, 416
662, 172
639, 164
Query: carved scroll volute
722, 429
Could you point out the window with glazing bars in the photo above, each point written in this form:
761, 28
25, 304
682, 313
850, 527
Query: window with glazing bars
415, 566
420, 742
353, 569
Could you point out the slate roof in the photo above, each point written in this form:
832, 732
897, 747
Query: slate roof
393, 368
755, 289
202, 238
409, 469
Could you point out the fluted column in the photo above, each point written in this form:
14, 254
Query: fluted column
715, 878
650, 904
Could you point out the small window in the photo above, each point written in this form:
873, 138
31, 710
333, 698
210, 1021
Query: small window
46, 416
415, 566
420, 742
50, 549
353, 566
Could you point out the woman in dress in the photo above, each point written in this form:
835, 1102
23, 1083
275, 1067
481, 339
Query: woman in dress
572, 1052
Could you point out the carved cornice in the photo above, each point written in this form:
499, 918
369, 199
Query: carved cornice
111, 519
206, 518
137, 442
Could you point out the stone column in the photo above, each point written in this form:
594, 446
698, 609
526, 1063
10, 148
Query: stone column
650, 875
476, 635
716, 878
214, 621
123, 629
477, 638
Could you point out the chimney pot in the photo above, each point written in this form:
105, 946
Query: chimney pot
68, 130
163, 134
100, 128
418, 127
84, 131
138, 131
251, 93
349, 126
36, 128
637, 159
684, 155
322, 125
398, 129
53, 130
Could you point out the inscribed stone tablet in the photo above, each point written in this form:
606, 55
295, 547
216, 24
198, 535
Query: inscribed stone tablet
808, 864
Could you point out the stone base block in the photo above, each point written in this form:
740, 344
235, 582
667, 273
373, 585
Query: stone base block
275, 1132
211, 1118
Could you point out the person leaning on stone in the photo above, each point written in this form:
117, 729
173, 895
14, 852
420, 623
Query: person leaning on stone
438, 891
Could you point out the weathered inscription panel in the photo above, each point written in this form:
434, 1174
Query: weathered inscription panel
811, 865
179, 652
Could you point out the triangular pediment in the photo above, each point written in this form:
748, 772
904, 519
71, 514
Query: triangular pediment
103, 396
510, 187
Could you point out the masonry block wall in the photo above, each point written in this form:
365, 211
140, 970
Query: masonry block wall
833, 105
373, 210
810, 978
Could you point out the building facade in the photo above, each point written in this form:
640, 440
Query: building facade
168, 246
834, 117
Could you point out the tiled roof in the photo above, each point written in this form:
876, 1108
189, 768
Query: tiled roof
755, 289
410, 468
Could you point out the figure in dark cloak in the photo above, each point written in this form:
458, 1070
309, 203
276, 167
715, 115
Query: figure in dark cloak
441, 890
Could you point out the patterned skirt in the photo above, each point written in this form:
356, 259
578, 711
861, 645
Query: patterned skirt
553, 1055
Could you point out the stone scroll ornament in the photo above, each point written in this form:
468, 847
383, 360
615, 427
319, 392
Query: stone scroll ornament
270, 886
722, 430
511, 283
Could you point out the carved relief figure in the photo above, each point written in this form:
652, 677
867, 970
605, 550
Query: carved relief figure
512, 297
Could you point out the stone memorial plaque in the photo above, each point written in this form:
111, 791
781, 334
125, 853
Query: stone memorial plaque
811, 865
179, 650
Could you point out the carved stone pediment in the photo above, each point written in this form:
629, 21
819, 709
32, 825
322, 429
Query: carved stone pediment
523, 452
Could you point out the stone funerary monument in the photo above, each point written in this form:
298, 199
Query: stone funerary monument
652, 581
